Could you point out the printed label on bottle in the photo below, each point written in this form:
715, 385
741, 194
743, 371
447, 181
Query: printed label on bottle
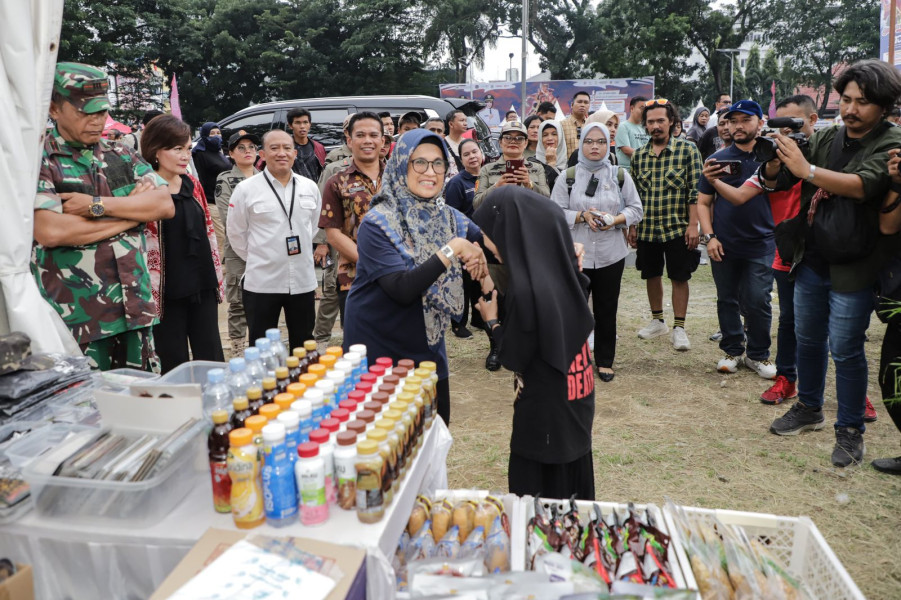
222, 486
312, 488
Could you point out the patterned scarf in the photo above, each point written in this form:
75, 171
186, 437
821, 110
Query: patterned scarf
418, 228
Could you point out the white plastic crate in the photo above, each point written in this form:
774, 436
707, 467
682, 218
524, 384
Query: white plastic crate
795, 541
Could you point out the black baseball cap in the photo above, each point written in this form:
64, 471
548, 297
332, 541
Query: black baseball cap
242, 135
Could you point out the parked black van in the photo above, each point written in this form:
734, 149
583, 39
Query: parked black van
328, 116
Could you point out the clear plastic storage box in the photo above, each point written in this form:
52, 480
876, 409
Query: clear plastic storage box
121, 504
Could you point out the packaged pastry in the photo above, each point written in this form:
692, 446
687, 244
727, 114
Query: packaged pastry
464, 518
442, 513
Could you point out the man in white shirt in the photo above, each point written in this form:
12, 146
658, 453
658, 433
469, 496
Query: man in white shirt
272, 219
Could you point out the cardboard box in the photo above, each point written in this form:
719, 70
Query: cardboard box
20, 586
351, 561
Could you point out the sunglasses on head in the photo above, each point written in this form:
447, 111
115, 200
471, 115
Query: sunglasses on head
656, 102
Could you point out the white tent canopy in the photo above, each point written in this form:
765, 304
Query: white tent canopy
30, 40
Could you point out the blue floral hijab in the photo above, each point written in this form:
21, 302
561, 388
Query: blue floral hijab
418, 228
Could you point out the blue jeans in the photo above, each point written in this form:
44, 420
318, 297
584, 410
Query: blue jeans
828, 321
786, 344
754, 278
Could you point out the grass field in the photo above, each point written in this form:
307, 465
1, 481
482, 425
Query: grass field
670, 425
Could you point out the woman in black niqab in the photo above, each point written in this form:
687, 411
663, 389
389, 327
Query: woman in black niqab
543, 340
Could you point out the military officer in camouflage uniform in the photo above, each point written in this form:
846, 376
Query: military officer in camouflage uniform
92, 201
242, 149
513, 142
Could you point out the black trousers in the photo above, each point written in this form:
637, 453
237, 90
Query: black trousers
890, 374
263, 311
342, 302
442, 390
605, 284
527, 476
190, 321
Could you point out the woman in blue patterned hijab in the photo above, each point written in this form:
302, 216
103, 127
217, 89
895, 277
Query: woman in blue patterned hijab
412, 249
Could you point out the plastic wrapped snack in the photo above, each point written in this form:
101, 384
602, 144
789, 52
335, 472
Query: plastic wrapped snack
464, 518
442, 513
474, 544
538, 530
419, 515
497, 548
486, 511
422, 545
449, 546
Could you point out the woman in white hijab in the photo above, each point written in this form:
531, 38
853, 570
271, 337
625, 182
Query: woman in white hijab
551, 151
596, 208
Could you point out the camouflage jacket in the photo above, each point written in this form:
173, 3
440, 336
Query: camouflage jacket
225, 185
101, 289
492, 173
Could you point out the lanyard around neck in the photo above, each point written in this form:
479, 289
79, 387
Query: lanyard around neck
288, 213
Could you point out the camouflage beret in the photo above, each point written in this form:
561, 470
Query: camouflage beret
82, 85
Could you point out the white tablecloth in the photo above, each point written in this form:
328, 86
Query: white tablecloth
92, 562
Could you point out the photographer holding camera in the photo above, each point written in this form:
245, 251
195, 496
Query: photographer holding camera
797, 114
836, 250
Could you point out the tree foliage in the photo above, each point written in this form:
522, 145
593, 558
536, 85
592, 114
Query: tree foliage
814, 37
228, 54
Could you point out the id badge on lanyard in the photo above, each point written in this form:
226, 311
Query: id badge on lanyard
292, 242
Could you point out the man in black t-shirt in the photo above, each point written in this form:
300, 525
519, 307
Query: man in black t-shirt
310, 153
716, 138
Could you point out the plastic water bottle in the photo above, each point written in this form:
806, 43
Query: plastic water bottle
291, 421
216, 393
361, 350
278, 348
238, 380
270, 362
255, 369
279, 486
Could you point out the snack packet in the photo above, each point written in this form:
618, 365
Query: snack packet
538, 530
422, 545
449, 546
441, 515
474, 544
497, 548
422, 509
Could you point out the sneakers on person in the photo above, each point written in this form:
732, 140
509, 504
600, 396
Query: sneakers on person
462, 332
892, 466
799, 417
680, 339
715, 337
728, 364
849, 447
764, 368
655, 328
780, 391
869, 413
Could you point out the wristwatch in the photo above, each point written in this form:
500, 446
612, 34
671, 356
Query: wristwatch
448, 252
97, 209
706, 237
490, 323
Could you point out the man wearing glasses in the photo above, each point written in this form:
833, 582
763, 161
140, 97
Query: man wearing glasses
93, 199
527, 174
666, 172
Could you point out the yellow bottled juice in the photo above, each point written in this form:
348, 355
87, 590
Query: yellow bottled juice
243, 469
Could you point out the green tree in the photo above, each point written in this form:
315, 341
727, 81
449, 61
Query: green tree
819, 36
756, 82
462, 30
628, 26
563, 32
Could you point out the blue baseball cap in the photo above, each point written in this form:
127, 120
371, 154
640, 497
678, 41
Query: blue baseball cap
748, 107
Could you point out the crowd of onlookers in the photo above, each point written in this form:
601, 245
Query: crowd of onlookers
139, 238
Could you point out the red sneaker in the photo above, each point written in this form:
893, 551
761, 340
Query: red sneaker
782, 390
869, 413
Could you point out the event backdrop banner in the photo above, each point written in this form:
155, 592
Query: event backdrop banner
502, 96
887, 45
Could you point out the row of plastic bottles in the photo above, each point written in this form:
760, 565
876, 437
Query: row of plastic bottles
370, 417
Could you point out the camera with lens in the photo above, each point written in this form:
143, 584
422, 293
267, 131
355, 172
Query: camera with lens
765, 147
